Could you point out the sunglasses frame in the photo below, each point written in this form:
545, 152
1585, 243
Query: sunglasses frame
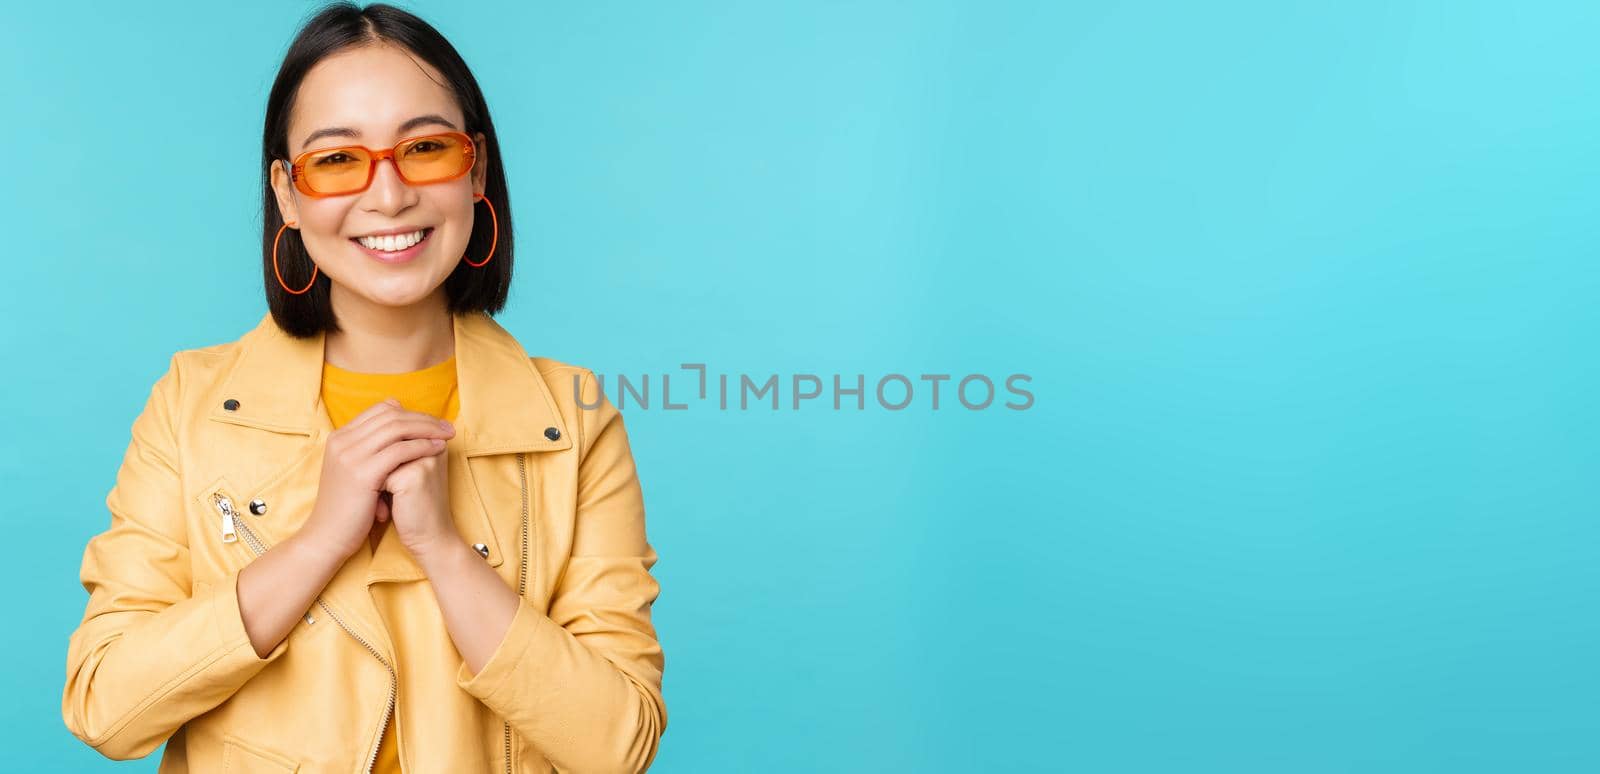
297, 169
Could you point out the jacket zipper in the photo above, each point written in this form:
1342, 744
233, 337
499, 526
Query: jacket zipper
229, 533
231, 528
522, 572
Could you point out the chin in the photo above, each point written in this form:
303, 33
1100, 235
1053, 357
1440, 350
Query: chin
398, 294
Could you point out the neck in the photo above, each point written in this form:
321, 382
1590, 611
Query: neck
375, 338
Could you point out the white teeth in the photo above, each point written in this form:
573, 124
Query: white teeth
392, 242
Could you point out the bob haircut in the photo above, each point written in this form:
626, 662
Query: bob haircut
334, 28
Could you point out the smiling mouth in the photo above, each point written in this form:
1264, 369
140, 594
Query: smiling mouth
393, 243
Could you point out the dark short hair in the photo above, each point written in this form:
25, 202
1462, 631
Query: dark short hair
334, 28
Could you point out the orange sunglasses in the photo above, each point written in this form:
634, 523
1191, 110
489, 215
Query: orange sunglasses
348, 169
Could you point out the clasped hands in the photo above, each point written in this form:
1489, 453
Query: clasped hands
387, 463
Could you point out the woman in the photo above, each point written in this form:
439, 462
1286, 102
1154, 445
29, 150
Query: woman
373, 534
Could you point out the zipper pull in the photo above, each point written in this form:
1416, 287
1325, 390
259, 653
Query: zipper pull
225, 506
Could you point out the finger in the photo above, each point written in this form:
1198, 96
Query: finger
387, 430
393, 424
382, 406
357, 425
396, 454
383, 510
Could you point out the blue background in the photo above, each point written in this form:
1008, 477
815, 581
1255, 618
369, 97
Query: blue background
1306, 291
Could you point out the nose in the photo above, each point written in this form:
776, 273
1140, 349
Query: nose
388, 193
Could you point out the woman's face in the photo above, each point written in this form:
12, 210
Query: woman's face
376, 96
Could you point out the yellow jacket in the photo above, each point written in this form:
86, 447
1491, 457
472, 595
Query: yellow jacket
224, 462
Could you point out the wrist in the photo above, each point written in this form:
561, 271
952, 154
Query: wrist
439, 556
317, 549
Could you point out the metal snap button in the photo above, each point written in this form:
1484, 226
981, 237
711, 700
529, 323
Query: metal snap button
552, 433
231, 404
258, 506
481, 549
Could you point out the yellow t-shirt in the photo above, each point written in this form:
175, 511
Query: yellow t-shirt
345, 394
431, 390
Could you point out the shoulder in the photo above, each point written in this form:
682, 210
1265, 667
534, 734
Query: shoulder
578, 395
569, 383
550, 367
200, 365
189, 368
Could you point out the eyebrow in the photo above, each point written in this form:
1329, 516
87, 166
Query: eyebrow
345, 131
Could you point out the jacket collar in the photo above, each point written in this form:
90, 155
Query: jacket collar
504, 404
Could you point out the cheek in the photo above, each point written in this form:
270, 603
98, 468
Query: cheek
457, 229
321, 227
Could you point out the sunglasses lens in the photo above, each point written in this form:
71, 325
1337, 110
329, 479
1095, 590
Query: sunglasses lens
337, 170
433, 159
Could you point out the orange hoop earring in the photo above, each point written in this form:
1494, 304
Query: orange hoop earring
495, 239
279, 273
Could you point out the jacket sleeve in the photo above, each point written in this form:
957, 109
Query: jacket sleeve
151, 652
583, 683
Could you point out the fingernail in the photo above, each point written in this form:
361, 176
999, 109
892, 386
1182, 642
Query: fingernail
438, 442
